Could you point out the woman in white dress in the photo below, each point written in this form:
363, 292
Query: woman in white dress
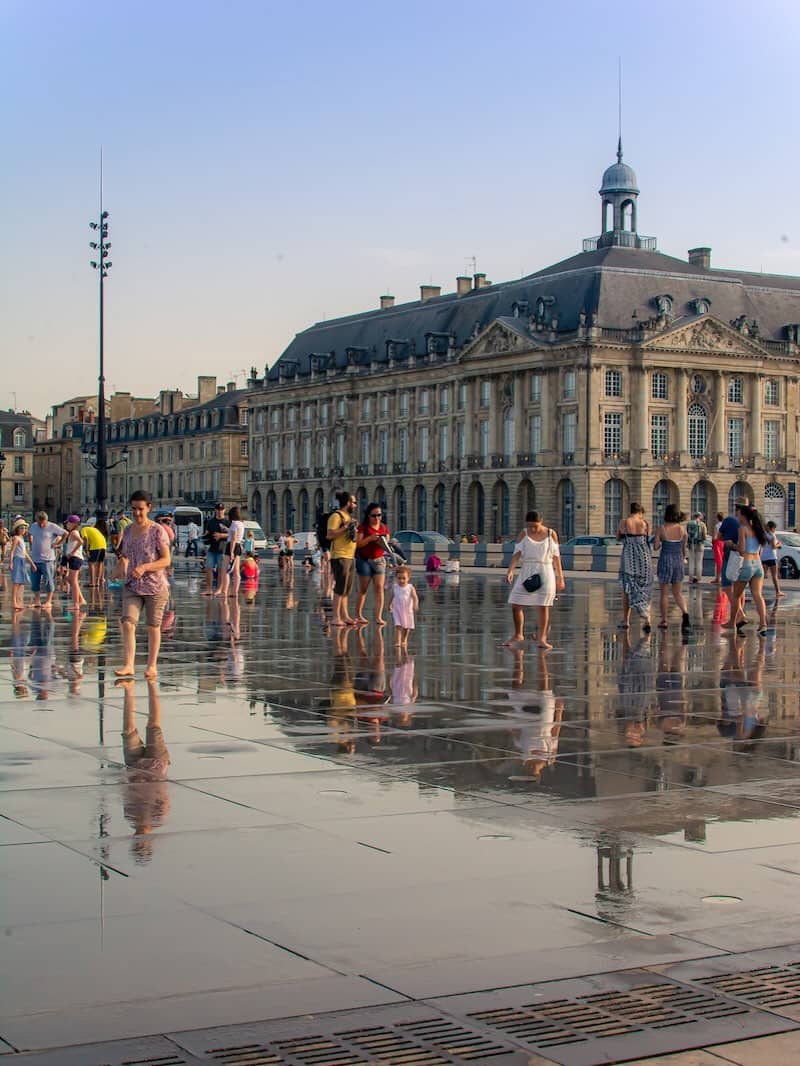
538, 553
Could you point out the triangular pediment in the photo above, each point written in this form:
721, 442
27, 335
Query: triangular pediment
704, 334
502, 335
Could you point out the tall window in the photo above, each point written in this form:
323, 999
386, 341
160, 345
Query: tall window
275, 418
366, 408
459, 443
291, 453
661, 495
274, 453
659, 435
19, 464
613, 382
735, 438
612, 433
771, 392
403, 404
308, 413
291, 417
569, 384
323, 452
402, 445
424, 401
569, 431
341, 407
658, 386
700, 499
384, 405
771, 436
462, 395
536, 388
567, 510
340, 449
383, 446
698, 431
324, 413
735, 390
536, 434
483, 437
443, 442
365, 446
613, 505
422, 507
19, 438
307, 450
486, 393
424, 444
509, 433
243, 449
444, 399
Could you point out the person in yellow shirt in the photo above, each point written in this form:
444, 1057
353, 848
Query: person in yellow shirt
342, 533
96, 545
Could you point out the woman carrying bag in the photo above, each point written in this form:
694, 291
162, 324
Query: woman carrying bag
752, 538
540, 577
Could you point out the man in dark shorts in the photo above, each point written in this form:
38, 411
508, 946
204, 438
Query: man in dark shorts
729, 535
342, 533
215, 536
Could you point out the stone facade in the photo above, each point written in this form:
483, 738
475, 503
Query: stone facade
616, 375
18, 434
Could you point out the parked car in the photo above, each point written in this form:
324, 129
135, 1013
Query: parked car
788, 554
306, 541
588, 541
428, 539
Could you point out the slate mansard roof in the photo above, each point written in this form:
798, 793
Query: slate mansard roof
608, 285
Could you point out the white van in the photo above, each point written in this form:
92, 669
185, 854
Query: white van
254, 532
306, 541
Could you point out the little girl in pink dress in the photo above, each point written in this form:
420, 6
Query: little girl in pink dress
403, 603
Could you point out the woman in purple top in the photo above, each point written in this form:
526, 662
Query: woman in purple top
144, 556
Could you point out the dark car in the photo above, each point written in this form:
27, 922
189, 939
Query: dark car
587, 541
428, 539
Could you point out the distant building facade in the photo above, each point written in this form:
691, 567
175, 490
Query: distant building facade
18, 434
184, 450
616, 375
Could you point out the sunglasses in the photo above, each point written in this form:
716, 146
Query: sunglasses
376, 514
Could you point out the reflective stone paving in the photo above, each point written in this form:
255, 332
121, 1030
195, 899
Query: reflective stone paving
331, 823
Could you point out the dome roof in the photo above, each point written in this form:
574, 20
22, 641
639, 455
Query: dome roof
620, 178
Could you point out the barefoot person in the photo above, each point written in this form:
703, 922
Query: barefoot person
45, 536
18, 557
403, 605
635, 567
671, 543
752, 538
371, 560
144, 556
342, 533
74, 553
540, 577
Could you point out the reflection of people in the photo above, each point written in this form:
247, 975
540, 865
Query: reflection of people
670, 714
741, 691
635, 684
541, 710
538, 552
146, 804
404, 686
19, 658
341, 717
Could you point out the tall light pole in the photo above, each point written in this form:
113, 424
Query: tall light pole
102, 265
2, 468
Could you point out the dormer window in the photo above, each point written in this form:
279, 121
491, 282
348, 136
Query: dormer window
664, 304
701, 306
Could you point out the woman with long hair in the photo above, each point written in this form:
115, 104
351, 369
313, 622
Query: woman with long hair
231, 573
752, 538
670, 541
635, 567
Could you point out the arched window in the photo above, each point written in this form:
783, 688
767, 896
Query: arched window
740, 490
303, 509
612, 496
255, 507
698, 431
661, 497
440, 509
361, 502
421, 506
380, 499
700, 499
774, 504
288, 509
567, 510
19, 438
500, 510
272, 511
400, 507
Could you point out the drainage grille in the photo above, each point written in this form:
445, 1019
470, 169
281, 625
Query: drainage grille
772, 987
403, 1037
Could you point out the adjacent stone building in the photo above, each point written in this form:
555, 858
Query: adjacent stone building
183, 450
19, 431
618, 374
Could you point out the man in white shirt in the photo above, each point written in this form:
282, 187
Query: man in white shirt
44, 535
192, 539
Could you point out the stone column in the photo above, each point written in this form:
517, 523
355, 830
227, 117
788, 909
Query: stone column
640, 444
493, 407
755, 418
547, 406
717, 442
521, 442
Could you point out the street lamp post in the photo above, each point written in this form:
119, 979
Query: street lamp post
2, 468
92, 457
102, 265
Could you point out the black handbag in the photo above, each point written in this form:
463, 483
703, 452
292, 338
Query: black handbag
532, 583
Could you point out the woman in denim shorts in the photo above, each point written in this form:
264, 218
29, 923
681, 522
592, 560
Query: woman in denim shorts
752, 538
371, 560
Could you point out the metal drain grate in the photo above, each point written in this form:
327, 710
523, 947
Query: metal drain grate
149, 1051
772, 987
611, 1017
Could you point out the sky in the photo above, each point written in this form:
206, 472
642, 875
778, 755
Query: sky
270, 164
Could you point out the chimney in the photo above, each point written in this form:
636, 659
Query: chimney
480, 281
231, 386
700, 257
463, 284
386, 302
427, 292
206, 388
220, 390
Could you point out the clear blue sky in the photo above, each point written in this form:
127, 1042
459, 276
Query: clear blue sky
270, 164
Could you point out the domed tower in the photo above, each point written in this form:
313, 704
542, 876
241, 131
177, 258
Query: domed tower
619, 193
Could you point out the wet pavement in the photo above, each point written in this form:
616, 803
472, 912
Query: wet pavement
304, 820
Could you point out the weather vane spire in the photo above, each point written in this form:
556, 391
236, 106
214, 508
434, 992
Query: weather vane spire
619, 108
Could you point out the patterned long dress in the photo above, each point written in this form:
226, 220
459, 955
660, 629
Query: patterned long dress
636, 572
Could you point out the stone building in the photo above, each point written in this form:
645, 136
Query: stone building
617, 374
19, 431
183, 450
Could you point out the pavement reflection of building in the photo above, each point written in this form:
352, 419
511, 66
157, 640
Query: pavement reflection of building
618, 374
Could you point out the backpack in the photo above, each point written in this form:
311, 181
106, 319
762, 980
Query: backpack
321, 529
693, 533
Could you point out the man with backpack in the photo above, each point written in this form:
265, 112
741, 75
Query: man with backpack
342, 533
696, 533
